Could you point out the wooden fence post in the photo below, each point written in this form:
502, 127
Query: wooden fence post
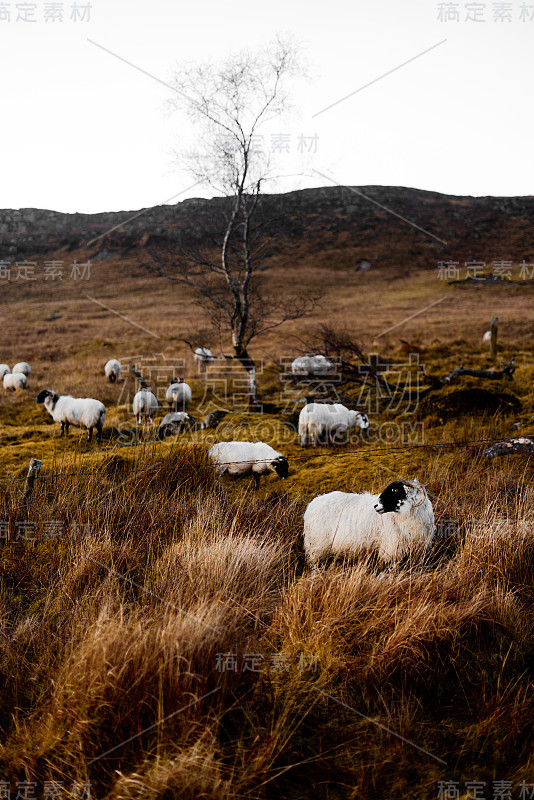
31, 478
493, 345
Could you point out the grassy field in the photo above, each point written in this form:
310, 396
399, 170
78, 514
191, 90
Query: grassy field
161, 636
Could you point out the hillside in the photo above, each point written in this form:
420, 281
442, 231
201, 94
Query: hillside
302, 222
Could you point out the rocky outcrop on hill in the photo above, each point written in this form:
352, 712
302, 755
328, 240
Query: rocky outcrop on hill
394, 225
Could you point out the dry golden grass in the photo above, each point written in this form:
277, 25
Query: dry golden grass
108, 635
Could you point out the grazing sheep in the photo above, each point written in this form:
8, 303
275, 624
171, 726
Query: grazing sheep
391, 525
178, 394
174, 423
486, 339
113, 370
317, 420
311, 366
203, 356
81, 412
248, 458
4, 370
15, 380
145, 404
23, 367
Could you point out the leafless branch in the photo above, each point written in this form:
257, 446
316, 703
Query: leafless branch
229, 102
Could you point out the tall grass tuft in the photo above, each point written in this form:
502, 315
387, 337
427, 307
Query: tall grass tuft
127, 645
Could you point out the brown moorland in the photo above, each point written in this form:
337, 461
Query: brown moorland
161, 636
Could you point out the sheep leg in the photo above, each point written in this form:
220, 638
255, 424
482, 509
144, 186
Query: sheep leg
89, 434
67, 428
256, 481
62, 429
99, 433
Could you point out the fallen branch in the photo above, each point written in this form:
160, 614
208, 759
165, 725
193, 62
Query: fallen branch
506, 370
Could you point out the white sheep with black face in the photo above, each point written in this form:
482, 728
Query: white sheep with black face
15, 381
391, 525
178, 394
326, 421
239, 459
145, 404
81, 412
311, 366
112, 370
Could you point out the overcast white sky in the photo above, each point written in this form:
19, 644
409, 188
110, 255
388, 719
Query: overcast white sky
84, 131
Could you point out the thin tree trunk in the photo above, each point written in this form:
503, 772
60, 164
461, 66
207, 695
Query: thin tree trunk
249, 365
252, 389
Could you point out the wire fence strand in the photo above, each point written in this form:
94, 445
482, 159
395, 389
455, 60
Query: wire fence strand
303, 456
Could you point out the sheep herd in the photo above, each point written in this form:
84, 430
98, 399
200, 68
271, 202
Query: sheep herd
17, 378
391, 525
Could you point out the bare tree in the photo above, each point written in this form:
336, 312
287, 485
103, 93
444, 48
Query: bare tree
228, 103
346, 348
